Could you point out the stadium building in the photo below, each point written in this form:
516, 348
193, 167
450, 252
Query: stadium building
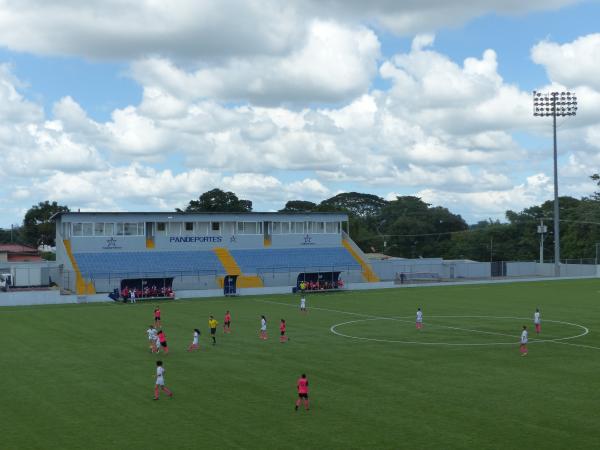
103, 251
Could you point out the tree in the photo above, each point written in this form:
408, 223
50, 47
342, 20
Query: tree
299, 206
361, 205
217, 200
38, 229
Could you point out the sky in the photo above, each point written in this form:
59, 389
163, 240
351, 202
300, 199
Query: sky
143, 105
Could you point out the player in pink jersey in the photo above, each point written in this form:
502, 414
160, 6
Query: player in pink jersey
302, 385
282, 327
227, 323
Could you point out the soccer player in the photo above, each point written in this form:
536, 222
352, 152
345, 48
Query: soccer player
263, 328
227, 323
194, 344
302, 386
132, 296
151, 331
419, 319
303, 303
157, 317
160, 381
212, 324
163, 341
282, 338
537, 321
524, 340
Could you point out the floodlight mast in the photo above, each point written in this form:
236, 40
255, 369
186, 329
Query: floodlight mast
555, 104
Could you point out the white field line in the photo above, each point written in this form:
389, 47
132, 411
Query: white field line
405, 319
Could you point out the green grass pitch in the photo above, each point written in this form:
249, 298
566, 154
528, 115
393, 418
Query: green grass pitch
81, 376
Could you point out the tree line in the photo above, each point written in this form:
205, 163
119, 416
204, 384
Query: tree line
404, 227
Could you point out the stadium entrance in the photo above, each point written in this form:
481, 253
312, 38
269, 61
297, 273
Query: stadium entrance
229, 285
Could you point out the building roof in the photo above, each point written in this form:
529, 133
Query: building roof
20, 253
184, 214
16, 248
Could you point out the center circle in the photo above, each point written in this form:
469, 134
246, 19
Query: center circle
335, 330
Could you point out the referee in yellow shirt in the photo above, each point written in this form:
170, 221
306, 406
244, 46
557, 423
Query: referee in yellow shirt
212, 324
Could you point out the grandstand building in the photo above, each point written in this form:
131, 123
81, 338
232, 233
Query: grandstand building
103, 251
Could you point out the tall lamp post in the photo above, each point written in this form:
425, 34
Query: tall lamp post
555, 104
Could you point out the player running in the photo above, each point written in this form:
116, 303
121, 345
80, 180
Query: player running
227, 323
419, 319
163, 341
151, 331
303, 304
194, 344
157, 317
263, 328
302, 386
160, 381
282, 337
524, 340
537, 320
212, 324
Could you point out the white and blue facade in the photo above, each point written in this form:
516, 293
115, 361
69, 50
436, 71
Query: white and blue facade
98, 250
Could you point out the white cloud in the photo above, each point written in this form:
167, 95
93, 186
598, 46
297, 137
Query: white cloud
572, 64
334, 63
193, 29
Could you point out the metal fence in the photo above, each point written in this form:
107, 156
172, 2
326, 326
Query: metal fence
398, 270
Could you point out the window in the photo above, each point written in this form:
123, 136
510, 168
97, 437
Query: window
109, 229
141, 230
130, 229
202, 227
285, 227
99, 229
215, 226
77, 229
276, 228
318, 227
308, 227
174, 228
331, 227
88, 229
297, 227
189, 226
247, 228
161, 226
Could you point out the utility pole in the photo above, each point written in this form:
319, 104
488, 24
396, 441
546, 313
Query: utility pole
542, 229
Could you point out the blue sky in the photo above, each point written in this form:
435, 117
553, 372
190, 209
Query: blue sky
304, 103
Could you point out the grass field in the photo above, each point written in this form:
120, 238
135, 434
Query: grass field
81, 376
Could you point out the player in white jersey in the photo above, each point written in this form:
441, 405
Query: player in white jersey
524, 340
132, 296
303, 303
263, 327
151, 331
537, 320
194, 344
419, 320
160, 381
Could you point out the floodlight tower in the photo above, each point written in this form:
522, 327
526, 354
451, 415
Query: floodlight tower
555, 104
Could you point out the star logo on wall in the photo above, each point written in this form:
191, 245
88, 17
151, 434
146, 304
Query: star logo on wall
111, 243
232, 239
307, 239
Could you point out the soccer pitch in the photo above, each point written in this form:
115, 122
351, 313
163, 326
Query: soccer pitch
81, 376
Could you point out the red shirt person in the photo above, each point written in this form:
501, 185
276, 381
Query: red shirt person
163, 341
282, 336
227, 323
302, 385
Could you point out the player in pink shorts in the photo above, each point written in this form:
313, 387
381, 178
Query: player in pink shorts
302, 386
524, 340
419, 321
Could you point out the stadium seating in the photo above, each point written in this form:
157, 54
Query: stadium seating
101, 265
295, 259
173, 263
